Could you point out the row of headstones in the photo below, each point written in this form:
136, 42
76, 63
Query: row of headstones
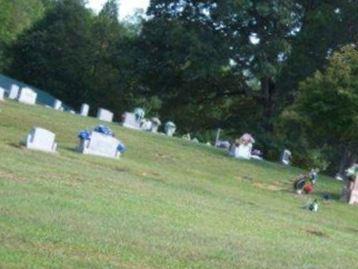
99, 144
24, 95
27, 96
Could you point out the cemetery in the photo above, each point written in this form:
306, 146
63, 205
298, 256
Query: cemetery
148, 179
149, 134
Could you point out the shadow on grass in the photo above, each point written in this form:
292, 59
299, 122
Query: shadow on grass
16, 145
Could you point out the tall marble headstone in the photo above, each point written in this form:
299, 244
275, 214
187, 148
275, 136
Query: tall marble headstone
27, 96
84, 110
14, 91
286, 157
104, 115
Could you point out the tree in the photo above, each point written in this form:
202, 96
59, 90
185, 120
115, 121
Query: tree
15, 17
55, 53
326, 110
325, 27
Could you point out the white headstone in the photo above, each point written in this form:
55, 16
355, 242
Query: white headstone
72, 112
353, 198
100, 145
105, 115
130, 121
155, 125
27, 96
243, 151
41, 139
57, 104
2, 94
170, 128
14, 91
286, 157
146, 125
84, 110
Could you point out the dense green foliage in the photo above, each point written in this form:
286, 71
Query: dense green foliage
233, 64
326, 110
167, 203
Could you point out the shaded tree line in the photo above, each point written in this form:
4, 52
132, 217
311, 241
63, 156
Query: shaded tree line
241, 65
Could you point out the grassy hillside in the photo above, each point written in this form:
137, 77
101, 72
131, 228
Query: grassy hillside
167, 203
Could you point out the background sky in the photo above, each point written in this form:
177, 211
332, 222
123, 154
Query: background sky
127, 7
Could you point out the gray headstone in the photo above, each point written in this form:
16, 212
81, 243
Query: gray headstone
100, 145
41, 139
14, 91
84, 110
104, 115
27, 96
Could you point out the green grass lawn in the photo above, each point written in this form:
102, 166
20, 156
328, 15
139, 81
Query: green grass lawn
167, 203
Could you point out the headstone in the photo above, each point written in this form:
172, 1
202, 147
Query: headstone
100, 145
14, 92
41, 139
155, 125
57, 104
84, 110
217, 139
27, 96
223, 144
243, 151
2, 94
145, 125
353, 199
72, 112
130, 121
104, 115
170, 128
286, 157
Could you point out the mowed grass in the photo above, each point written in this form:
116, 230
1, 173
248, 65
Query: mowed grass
167, 203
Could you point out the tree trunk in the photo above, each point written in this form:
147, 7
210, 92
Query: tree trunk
267, 91
348, 158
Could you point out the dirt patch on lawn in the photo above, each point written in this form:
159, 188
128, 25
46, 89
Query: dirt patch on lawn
316, 233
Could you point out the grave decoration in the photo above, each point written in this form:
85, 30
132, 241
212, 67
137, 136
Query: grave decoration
100, 141
41, 139
243, 147
305, 183
139, 114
